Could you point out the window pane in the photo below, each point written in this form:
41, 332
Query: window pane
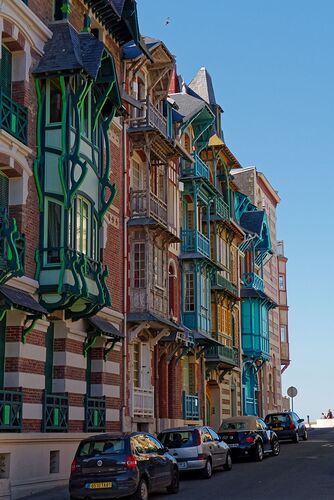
53, 236
55, 102
189, 292
139, 265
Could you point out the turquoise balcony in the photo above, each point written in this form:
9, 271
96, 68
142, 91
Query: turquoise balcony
190, 407
228, 356
196, 169
253, 280
221, 283
195, 242
12, 247
13, 118
220, 210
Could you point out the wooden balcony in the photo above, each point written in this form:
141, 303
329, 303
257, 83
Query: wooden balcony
148, 205
253, 280
220, 283
220, 210
194, 241
13, 118
227, 356
285, 354
142, 402
149, 117
196, 169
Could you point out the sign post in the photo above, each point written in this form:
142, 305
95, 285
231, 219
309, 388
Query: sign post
292, 392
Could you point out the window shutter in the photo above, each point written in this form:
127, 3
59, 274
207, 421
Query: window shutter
3, 191
6, 71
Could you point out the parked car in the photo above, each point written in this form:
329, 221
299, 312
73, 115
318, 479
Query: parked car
287, 425
120, 465
249, 437
197, 448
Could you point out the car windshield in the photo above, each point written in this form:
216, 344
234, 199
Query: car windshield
177, 439
277, 419
234, 426
101, 447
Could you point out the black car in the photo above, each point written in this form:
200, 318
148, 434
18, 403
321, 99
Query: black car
287, 425
249, 437
120, 465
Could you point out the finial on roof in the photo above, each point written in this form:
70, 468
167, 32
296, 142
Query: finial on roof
184, 90
66, 9
87, 24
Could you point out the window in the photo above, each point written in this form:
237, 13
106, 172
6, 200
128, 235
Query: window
206, 436
82, 226
171, 290
114, 446
181, 439
214, 435
139, 265
283, 333
204, 291
55, 102
2, 350
57, 12
281, 282
137, 177
48, 368
136, 364
6, 71
159, 272
95, 242
189, 303
4, 190
54, 211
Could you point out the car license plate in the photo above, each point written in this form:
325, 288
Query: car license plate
98, 486
233, 445
182, 465
277, 428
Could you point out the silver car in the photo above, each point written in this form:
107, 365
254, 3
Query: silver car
197, 448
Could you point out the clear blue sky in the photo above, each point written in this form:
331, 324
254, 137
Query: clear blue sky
273, 73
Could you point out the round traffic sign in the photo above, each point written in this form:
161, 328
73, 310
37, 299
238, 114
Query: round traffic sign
292, 392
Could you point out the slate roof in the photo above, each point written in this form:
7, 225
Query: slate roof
251, 293
21, 300
252, 221
132, 51
203, 339
188, 106
202, 85
70, 51
145, 316
104, 327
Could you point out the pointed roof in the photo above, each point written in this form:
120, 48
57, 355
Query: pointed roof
202, 85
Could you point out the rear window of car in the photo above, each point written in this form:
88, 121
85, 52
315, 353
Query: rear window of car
277, 419
234, 426
177, 439
101, 447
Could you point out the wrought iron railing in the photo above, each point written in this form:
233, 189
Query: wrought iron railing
253, 280
11, 410
95, 414
195, 241
142, 402
144, 205
12, 248
13, 118
149, 116
196, 169
190, 407
55, 412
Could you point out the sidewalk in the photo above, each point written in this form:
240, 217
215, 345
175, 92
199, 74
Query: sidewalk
59, 493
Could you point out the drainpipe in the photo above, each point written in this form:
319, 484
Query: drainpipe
125, 265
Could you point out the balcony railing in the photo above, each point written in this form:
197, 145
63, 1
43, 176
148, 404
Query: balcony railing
196, 169
251, 406
149, 116
12, 248
224, 284
13, 118
142, 402
144, 205
223, 354
11, 410
190, 407
55, 412
194, 241
220, 209
253, 280
95, 414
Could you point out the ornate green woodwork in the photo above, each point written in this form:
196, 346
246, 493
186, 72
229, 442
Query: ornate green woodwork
73, 163
13, 118
12, 247
11, 403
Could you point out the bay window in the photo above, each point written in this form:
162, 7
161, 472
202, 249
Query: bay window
189, 302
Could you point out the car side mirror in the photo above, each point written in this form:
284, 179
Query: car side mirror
300, 420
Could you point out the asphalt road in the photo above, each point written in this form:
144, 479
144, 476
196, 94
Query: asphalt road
302, 471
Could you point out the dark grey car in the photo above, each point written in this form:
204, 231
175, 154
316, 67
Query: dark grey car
287, 425
120, 465
197, 448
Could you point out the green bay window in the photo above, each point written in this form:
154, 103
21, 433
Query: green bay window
54, 229
82, 226
54, 101
6, 71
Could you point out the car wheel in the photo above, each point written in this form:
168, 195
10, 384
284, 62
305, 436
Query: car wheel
258, 455
296, 438
175, 484
207, 472
305, 437
141, 492
228, 463
276, 448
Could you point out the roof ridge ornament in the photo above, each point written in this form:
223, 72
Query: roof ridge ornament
87, 24
66, 9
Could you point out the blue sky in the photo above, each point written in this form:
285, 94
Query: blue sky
272, 69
